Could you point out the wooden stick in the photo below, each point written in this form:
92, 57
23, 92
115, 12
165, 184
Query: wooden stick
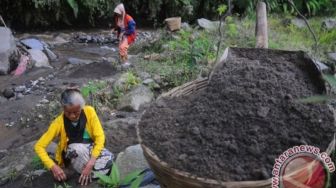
3, 22
261, 26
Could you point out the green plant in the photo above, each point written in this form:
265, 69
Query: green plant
113, 180
37, 163
65, 185
92, 87
131, 81
12, 175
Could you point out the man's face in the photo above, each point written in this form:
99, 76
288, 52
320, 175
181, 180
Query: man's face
72, 112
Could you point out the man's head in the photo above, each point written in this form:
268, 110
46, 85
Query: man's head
72, 102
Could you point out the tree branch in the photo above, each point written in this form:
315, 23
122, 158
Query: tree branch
222, 19
307, 23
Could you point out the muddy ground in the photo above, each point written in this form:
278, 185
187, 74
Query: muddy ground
246, 117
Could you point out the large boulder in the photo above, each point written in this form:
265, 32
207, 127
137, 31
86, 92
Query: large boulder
7, 48
133, 100
39, 59
33, 43
130, 160
329, 23
207, 24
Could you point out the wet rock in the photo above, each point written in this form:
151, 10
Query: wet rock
298, 22
51, 55
130, 160
122, 123
7, 49
44, 101
20, 89
19, 96
57, 41
207, 24
8, 93
110, 60
148, 81
185, 26
144, 75
33, 43
77, 61
39, 59
39, 173
332, 56
329, 23
139, 96
157, 79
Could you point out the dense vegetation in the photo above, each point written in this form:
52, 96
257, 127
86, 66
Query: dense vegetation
64, 13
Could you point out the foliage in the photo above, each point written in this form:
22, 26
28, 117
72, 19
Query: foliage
92, 91
65, 185
46, 13
184, 55
37, 163
308, 7
114, 181
92, 87
132, 80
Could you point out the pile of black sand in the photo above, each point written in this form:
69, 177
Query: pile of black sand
246, 117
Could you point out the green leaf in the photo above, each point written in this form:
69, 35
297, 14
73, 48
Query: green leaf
131, 176
136, 183
221, 9
115, 175
330, 79
105, 179
316, 99
74, 5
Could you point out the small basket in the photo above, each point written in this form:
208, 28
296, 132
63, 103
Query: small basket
173, 23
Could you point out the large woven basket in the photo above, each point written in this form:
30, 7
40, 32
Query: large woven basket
173, 23
169, 177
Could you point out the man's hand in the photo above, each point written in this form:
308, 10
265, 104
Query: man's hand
85, 177
58, 173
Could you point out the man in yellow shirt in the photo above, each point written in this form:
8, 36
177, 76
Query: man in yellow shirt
81, 140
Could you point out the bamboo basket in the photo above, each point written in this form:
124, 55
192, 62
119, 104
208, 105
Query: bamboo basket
169, 177
173, 23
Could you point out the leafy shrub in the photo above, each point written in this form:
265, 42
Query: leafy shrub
114, 181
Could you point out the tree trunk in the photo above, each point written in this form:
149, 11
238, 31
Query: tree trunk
261, 26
